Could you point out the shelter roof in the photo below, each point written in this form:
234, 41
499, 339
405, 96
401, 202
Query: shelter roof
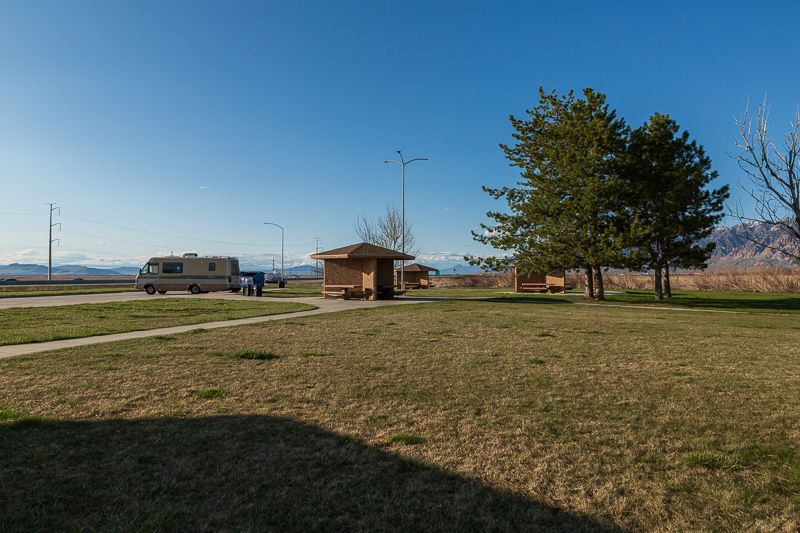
416, 267
362, 250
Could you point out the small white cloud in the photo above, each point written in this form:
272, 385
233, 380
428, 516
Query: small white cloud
203, 187
101, 243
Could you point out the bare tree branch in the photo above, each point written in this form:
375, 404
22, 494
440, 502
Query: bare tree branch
773, 173
388, 231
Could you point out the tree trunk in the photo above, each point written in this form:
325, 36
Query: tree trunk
599, 292
659, 292
589, 292
667, 286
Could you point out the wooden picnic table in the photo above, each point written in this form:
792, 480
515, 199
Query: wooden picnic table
543, 287
345, 291
533, 286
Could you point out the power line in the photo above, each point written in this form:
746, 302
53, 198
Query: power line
139, 221
51, 241
160, 233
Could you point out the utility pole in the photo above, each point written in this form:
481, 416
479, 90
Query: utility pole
50, 242
316, 268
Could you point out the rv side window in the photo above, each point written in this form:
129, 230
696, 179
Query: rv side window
212, 267
173, 268
234, 269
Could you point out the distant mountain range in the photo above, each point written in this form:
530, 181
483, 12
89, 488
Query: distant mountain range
733, 249
19, 269
308, 270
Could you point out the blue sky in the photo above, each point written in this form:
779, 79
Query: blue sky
178, 126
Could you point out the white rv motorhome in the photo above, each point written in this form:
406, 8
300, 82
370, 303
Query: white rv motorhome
189, 273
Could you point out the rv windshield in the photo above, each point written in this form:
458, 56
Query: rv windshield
149, 268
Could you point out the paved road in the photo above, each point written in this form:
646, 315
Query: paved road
323, 306
103, 297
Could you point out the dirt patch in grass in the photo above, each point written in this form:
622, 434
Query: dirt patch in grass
617, 421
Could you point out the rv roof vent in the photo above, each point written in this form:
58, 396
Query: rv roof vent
189, 255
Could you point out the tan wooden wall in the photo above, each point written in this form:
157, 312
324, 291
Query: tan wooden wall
369, 273
557, 278
343, 272
385, 272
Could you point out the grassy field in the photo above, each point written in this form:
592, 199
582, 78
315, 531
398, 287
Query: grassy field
747, 302
447, 416
6, 292
40, 324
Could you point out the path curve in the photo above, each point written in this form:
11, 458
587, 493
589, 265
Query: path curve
323, 305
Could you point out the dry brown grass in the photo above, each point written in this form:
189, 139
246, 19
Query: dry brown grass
505, 279
767, 279
450, 416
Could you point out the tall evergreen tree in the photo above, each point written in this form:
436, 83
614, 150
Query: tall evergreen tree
669, 206
563, 213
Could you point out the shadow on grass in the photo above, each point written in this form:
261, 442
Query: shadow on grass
511, 298
257, 473
761, 302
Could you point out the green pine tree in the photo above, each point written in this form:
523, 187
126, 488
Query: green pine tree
562, 214
669, 207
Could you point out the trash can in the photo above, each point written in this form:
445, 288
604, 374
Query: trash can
282, 284
258, 289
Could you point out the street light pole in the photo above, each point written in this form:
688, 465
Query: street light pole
403, 163
283, 275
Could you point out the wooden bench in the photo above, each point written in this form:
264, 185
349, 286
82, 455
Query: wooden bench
533, 287
411, 285
542, 287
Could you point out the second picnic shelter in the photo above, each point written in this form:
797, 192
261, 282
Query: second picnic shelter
550, 282
360, 270
416, 276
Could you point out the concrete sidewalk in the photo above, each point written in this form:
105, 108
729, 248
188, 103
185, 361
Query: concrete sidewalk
323, 306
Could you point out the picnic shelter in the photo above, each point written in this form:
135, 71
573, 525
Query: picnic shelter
416, 276
550, 282
360, 271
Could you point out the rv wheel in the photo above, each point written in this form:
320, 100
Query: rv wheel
150, 290
194, 289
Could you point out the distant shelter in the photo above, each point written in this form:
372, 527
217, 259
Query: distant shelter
416, 276
550, 282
